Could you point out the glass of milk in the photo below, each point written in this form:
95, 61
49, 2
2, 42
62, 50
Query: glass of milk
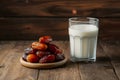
83, 33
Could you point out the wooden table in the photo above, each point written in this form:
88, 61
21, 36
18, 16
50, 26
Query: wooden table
107, 66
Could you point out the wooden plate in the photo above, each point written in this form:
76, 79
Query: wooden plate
44, 65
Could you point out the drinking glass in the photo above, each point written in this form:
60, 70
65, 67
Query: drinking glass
83, 33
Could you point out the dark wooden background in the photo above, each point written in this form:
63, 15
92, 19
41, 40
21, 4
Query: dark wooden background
29, 19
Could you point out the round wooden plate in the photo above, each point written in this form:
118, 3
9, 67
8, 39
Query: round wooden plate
44, 65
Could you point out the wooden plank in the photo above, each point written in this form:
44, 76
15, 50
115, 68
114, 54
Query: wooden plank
4, 49
68, 72
12, 69
109, 29
112, 50
64, 8
100, 70
32, 28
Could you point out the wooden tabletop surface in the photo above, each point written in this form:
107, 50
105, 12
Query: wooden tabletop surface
107, 66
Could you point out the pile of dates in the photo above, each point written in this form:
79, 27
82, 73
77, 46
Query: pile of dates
43, 51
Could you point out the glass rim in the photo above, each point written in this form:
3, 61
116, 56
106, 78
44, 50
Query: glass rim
86, 19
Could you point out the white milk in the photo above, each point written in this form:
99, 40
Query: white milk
83, 40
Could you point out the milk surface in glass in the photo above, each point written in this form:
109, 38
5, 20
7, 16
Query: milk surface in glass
83, 42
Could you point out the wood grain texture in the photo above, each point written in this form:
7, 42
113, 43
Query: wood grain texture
105, 68
109, 29
112, 50
12, 69
33, 28
29, 19
3, 47
96, 8
68, 72
101, 70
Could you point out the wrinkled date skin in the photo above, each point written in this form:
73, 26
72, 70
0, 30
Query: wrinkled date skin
43, 51
39, 46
